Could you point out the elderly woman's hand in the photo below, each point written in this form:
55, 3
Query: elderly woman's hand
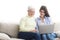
33, 30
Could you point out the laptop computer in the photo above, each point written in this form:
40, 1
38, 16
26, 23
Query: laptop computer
47, 28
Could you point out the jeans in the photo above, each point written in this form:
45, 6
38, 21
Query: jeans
49, 36
29, 35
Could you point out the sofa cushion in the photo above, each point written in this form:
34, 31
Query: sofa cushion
57, 39
10, 29
4, 36
16, 39
57, 27
58, 34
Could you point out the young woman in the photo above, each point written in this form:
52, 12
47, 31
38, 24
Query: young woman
44, 18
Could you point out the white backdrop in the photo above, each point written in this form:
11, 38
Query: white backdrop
11, 11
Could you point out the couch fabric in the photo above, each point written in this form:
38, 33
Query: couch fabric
12, 29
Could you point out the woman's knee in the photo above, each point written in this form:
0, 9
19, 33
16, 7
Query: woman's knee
54, 35
44, 37
50, 37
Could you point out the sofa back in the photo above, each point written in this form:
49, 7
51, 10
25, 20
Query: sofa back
10, 29
57, 27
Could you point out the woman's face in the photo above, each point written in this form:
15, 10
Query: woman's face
42, 14
31, 12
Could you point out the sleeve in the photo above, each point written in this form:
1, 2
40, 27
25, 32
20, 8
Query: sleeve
37, 26
50, 20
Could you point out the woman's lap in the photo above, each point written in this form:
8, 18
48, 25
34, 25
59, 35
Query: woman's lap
28, 35
50, 36
24, 35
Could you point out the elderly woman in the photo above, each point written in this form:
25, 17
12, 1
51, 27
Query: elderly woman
27, 26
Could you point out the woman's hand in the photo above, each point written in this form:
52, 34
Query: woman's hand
33, 30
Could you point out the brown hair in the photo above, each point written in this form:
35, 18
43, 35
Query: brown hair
45, 11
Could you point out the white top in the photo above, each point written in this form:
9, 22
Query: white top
27, 24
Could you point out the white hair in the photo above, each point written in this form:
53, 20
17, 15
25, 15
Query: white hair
31, 8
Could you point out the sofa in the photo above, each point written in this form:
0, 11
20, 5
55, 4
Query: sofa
11, 30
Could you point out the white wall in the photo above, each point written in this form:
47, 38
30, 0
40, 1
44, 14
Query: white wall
11, 11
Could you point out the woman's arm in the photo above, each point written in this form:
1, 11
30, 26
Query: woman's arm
37, 27
49, 20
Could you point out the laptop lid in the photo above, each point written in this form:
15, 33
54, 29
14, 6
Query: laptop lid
46, 28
